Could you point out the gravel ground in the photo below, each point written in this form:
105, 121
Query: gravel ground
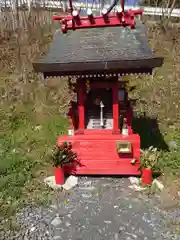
99, 209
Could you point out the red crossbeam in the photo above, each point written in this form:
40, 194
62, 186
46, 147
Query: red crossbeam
75, 21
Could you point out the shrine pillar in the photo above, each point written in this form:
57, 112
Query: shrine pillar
115, 109
80, 96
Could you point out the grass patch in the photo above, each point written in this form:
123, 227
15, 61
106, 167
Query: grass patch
31, 115
25, 144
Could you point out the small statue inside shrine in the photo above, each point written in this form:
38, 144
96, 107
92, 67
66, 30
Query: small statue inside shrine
97, 101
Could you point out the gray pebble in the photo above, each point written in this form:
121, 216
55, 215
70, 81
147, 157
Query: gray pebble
56, 221
67, 224
114, 215
86, 195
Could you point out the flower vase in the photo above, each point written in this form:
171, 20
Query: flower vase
59, 175
146, 176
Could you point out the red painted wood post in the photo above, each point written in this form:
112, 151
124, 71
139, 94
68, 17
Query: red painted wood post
115, 109
81, 92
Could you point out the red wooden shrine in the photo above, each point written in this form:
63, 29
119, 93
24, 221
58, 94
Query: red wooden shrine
100, 119
103, 147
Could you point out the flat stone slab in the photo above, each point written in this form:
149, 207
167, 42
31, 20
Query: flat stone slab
70, 182
100, 209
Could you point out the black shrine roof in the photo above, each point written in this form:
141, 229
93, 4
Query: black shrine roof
99, 50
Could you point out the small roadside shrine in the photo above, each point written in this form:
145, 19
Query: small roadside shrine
95, 52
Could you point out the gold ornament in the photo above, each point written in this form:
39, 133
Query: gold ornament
88, 86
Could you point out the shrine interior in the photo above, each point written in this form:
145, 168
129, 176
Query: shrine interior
94, 98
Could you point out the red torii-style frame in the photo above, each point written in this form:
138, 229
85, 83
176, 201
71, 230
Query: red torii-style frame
120, 18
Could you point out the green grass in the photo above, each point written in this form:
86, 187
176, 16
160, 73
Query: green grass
31, 117
152, 134
25, 145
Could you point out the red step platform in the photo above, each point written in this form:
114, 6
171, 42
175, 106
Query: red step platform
96, 150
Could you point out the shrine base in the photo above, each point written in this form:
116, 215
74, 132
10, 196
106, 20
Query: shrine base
97, 153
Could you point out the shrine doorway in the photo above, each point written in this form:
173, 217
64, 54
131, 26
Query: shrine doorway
95, 113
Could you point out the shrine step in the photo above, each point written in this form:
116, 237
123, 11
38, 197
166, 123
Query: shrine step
102, 151
95, 124
108, 115
95, 116
108, 168
96, 150
102, 154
